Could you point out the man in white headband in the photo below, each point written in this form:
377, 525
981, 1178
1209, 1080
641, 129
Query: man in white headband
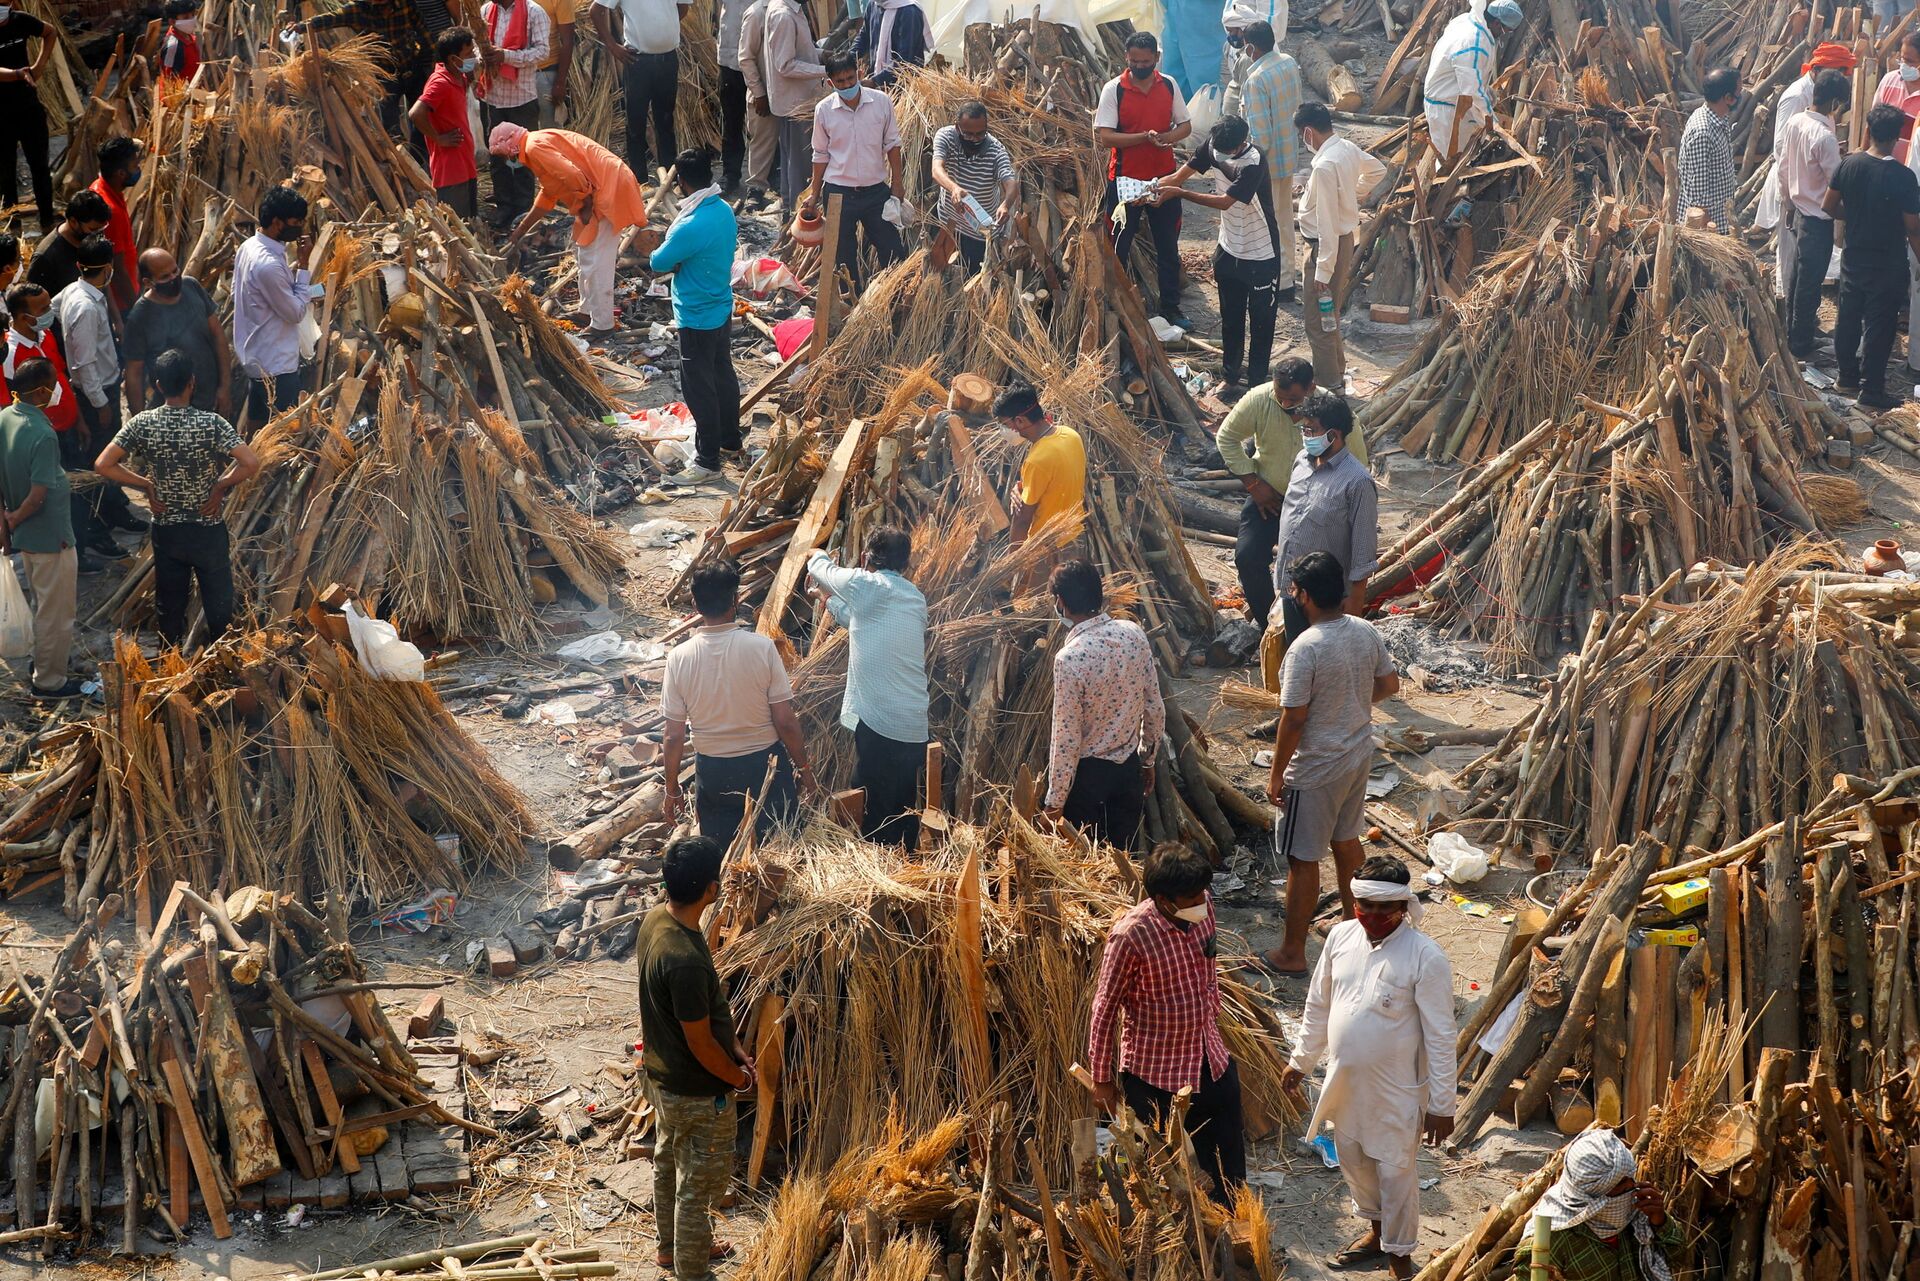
1606, 1226
1380, 1007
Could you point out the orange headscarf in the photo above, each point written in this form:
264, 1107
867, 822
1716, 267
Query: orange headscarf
1830, 54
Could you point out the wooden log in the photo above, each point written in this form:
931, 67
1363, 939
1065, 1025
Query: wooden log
645, 804
1573, 1028
1780, 1021
1333, 82
1610, 1045
1750, 1213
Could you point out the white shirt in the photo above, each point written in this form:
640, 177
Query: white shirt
1809, 154
1383, 1016
1794, 99
731, 12
1341, 175
269, 301
93, 362
1462, 64
647, 26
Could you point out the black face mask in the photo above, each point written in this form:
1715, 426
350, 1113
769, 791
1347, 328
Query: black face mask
1142, 74
1236, 41
168, 288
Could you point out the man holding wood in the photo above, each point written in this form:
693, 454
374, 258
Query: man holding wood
885, 704
727, 688
1460, 73
1341, 179
1053, 476
1158, 968
694, 1064
1607, 1224
1380, 1009
599, 190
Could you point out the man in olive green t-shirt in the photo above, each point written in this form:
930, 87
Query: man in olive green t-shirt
692, 1060
38, 522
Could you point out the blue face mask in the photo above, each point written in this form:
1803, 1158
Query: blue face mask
848, 94
1314, 445
469, 65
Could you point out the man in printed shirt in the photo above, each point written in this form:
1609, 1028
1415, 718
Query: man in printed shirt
1159, 968
1708, 175
1107, 713
886, 700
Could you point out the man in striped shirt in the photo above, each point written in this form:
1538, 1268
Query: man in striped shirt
518, 39
970, 164
1159, 968
1268, 96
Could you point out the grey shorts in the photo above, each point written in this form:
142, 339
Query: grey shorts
1312, 818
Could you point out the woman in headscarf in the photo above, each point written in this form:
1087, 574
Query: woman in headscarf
1607, 1226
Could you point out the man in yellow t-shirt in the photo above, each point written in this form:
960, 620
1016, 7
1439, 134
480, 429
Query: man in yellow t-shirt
552, 74
1053, 477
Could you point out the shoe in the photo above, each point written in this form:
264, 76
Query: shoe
741, 458
1177, 318
1265, 729
694, 474
88, 566
1289, 294
1848, 387
755, 200
131, 523
1232, 392
71, 689
1878, 398
105, 547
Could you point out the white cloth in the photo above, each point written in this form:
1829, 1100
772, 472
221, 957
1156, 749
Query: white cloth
1389, 892
1596, 1162
1809, 154
93, 362
709, 192
1340, 177
883, 39
1463, 63
597, 259
1383, 1017
1388, 1195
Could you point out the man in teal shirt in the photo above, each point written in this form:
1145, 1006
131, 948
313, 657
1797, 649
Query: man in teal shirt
39, 523
698, 249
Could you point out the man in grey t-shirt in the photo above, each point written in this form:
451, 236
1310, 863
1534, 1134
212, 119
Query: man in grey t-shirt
1334, 674
1331, 505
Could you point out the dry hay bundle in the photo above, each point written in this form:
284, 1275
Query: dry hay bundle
1656, 419
914, 988
270, 758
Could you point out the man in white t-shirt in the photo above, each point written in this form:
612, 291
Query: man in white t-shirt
646, 48
1245, 261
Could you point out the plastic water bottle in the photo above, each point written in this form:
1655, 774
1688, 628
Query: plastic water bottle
1326, 314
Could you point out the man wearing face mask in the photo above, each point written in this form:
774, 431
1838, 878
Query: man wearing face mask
30, 339
1140, 116
180, 47
119, 169
1460, 74
93, 366
1341, 179
270, 298
1607, 1224
1158, 968
1380, 1009
23, 120
36, 523
177, 314
1108, 715
595, 186
440, 114
1331, 505
56, 259
1708, 176
1335, 672
1900, 88
856, 156
978, 188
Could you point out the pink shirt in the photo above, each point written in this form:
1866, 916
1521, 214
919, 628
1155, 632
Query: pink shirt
1896, 92
1809, 154
855, 137
1106, 700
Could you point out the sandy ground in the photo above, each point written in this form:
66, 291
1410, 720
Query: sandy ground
568, 1021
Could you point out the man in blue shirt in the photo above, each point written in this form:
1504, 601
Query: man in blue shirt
886, 699
698, 249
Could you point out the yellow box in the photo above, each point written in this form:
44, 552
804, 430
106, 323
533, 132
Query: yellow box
1684, 897
1674, 938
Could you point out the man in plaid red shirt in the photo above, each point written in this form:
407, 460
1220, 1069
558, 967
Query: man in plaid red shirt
1159, 967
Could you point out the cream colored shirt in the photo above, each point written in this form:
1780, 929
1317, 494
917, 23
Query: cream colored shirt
1341, 177
723, 682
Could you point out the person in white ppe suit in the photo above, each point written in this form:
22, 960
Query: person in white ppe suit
1605, 1222
1380, 1008
1235, 58
1461, 70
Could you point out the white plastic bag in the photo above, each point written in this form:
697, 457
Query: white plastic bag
16, 620
1203, 109
385, 656
1461, 861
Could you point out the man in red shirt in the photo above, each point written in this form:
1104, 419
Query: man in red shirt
180, 47
1140, 116
440, 114
119, 160
1159, 967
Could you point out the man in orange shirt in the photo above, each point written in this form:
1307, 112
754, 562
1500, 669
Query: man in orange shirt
119, 160
440, 114
596, 187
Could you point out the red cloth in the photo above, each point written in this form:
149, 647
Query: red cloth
516, 37
791, 335
64, 412
179, 55
1147, 110
446, 100
120, 232
1163, 974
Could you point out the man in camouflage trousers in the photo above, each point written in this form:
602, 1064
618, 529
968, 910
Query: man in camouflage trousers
693, 1062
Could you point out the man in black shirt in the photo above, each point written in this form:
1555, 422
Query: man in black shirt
56, 262
23, 121
1878, 199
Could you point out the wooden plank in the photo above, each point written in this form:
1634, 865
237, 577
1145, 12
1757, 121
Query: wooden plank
252, 1152
827, 289
973, 1051
973, 480
493, 362
197, 1149
816, 523
769, 1050
330, 1105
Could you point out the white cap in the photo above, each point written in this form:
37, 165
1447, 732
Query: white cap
1237, 15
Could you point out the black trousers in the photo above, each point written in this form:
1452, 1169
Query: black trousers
733, 125
1214, 1122
1813, 251
1253, 559
860, 215
1164, 222
1873, 288
107, 502
650, 85
1249, 298
267, 397
512, 188
711, 389
1106, 799
80, 502
462, 197
182, 555
23, 124
972, 252
888, 770
722, 784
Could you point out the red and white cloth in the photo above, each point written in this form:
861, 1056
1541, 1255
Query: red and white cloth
1163, 974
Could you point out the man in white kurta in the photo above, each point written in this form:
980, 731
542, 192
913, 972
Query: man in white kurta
1380, 1008
1463, 63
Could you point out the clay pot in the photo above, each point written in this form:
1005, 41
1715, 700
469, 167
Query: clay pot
1883, 558
807, 231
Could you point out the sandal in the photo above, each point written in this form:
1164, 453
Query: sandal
1357, 1256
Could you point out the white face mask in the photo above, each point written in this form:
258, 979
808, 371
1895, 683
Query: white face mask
6, 11
1909, 72
1197, 914
186, 26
